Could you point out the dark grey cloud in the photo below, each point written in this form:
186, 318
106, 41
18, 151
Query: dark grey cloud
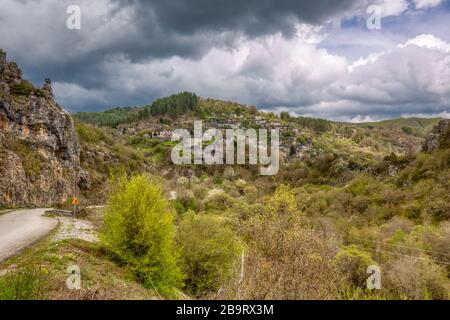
132, 51
251, 17
142, 30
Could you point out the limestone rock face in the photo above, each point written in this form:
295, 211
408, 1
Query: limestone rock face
439, 138
39, 148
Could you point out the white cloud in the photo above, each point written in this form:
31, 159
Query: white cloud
295, 75
428, 41
371, 58
393, 7
270, 71
426, 4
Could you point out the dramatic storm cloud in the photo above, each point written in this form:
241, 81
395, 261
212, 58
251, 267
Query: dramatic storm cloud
314, 58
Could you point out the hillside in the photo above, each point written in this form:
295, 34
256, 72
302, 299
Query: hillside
414, 126
312, 150
346, 197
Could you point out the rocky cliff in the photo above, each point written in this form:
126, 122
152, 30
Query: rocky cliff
439, 138
39, 148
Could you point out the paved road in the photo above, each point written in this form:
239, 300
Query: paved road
20, 229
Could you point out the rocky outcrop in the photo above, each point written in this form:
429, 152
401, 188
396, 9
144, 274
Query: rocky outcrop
39, 148
439, 138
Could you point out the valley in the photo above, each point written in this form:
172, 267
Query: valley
346, 197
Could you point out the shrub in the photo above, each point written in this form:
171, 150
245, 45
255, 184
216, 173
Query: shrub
208, 250
219, 201
90, 134
25, 88
139, 230
415, 278
352, 262
185, 201
407, 130
240, 185
285, 259
292, 263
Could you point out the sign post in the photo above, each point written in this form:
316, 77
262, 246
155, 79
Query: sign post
75, 202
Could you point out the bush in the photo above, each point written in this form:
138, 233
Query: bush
208, 250
240, 185
139, 230
285, 259
25, 88
416, 278
352, 262
407, 130
90, 134
219, 201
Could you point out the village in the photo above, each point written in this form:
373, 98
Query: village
293, 140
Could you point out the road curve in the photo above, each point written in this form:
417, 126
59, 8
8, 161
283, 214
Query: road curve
20, 229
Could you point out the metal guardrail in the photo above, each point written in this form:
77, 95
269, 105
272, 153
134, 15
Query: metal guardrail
60, 212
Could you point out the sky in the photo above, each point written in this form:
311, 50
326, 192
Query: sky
312, 58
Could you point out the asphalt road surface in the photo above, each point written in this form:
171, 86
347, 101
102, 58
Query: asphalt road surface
22, 228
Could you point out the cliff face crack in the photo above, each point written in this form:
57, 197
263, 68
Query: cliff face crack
4, 106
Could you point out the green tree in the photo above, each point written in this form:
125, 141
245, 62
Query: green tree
139, 230
284, 115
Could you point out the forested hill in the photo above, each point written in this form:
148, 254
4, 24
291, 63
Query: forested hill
189, 104
173, 105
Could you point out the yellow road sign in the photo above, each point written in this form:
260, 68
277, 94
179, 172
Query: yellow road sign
75, 201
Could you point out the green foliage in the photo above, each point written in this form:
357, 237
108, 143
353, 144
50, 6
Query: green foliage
209, 248
139, 230
284, 255
359, 186
318, 125
357, 293
158, 150
352, 262
173, 105
285, 115
90, 134
27, 283
109, 118
32, 161
185, 202
24, 88
418, 126
407, 130
219, 202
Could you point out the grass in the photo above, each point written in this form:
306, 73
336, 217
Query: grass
40, 272
32, 161
26, 283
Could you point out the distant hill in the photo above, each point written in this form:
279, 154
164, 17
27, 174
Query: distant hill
173, 106
415, 126
110, 118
